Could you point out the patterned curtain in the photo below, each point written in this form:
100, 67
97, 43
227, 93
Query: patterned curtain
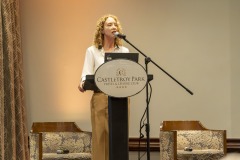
13, 130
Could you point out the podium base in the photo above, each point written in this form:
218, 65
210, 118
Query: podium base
118, 128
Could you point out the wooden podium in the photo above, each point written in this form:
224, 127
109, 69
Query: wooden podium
118, 122
119, 78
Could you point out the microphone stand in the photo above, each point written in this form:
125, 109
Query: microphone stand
147, 60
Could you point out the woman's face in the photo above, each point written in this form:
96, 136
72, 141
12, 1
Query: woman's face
110, 27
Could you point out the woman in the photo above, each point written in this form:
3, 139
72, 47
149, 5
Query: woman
104, 41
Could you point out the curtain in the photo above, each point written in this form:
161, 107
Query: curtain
13, 129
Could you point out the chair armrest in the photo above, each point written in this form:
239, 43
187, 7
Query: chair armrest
222, 138
35, 146
168, 147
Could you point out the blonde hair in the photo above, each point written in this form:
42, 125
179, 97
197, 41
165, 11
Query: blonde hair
98, 37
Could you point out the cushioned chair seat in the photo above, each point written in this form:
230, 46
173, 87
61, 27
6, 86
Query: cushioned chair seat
69, 156
210, 154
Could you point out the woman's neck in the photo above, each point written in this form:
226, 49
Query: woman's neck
108, 45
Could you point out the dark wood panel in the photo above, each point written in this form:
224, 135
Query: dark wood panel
233, 144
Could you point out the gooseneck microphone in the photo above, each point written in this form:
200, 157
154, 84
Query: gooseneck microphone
119, 35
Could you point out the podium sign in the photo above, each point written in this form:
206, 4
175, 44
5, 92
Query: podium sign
121, 78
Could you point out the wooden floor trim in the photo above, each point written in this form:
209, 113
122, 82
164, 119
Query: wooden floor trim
233, 144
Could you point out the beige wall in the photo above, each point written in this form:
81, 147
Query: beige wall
235, 66
196, 41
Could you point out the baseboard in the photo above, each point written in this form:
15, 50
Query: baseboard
233, 144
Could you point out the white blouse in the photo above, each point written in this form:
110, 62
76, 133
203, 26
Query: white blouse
94, 58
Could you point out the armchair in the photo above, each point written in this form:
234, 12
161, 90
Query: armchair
206, 144
48, 137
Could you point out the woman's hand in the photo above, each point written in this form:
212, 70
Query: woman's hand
80, 87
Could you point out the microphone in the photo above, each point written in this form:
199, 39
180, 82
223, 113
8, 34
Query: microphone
119, 35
